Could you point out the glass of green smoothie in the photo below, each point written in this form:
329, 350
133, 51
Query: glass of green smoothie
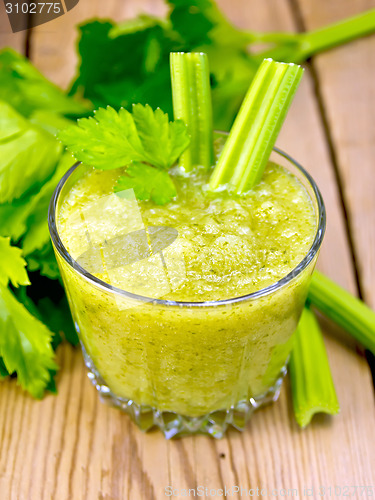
186, 311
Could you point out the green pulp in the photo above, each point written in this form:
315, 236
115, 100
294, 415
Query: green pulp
191, 360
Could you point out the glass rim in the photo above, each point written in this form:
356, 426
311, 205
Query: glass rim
285, 280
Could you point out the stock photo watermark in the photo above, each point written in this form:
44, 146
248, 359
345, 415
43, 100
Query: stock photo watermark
26, 14
242, 492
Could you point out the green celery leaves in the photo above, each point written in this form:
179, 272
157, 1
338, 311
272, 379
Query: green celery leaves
31, 164
27, 90
12, 265
190, 25
162, 141
148, 183
37, 236
25, 342
114, 139
28, 154
144, 142
25, 345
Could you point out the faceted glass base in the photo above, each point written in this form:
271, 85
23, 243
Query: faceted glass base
174, 425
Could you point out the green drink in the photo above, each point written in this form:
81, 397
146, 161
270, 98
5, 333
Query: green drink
194, 336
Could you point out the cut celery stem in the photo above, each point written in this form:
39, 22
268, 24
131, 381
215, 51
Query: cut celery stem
344, 309
192, 103
305, 45
312, 386
258, 123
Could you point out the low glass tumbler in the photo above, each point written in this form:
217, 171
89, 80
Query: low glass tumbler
186, 367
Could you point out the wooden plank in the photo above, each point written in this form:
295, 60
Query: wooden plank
53, 47
7, 38
72, 446
346, 85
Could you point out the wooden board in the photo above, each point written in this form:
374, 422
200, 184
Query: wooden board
346, 79
53, 47
73, 447
8, 39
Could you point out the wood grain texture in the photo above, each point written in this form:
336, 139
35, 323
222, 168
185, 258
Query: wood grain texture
346, 78
8, 39
73, 447
53, 47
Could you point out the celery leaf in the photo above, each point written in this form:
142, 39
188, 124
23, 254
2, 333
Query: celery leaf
28, 155
114, 139
25, 345
148, 183
26, 89
163, 142
12, 265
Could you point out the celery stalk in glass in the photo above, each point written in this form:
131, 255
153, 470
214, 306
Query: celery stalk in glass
258, 123
192, 103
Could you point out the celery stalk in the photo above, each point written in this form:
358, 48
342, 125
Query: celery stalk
311, 380
191, 93
254, 132
305, 45
347, 311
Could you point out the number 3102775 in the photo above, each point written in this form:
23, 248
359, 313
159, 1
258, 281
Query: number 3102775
33, 8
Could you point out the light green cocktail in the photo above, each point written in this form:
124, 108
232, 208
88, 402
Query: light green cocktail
197, 335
